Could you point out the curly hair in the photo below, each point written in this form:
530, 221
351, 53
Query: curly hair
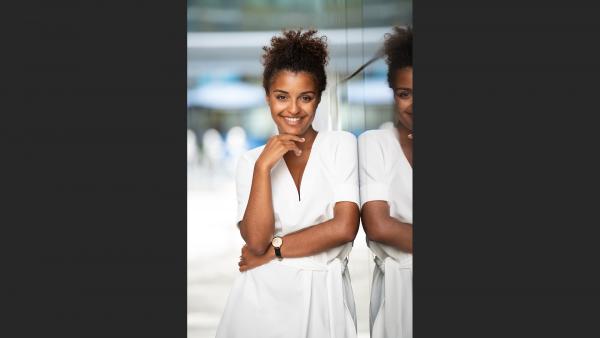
296, 51
398, 51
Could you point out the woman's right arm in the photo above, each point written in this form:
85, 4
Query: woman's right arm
381, 227
258, 224
375, 174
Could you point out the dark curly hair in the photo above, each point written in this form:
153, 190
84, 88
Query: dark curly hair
296, 51
398, 51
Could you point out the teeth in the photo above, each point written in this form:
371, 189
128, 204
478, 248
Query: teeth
292, 120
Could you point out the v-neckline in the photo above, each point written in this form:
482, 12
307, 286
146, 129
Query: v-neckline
298, 189
402, 153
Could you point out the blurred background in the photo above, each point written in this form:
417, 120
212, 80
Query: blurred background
227, 115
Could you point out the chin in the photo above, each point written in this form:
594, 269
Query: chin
300, 130
407, 123
294, 132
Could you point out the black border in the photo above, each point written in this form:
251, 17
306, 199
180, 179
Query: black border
93, 169
506, 169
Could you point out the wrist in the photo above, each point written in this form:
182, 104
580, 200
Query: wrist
261, 167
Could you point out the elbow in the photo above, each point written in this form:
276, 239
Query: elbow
372, 229
257, 248
349, 235
257, 243
349, 230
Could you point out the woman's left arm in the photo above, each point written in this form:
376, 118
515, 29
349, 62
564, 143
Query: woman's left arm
341, 229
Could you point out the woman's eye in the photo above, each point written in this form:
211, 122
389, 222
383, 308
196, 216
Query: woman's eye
403, 94
306, 98
280, 97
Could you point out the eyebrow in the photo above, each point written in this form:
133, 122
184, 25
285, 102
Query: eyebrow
283, 91
404, 88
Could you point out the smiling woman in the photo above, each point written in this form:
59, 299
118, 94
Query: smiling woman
293, 101
297, 209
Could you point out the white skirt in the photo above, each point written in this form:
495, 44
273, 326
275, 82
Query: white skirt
391, 298
297, 297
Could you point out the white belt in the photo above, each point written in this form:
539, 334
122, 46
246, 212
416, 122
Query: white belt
307, 263
405, 263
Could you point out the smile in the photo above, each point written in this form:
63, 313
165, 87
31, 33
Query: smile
292, 120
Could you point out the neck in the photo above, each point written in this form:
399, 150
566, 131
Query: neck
403, 132
309, 137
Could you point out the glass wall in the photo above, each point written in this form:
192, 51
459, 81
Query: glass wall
227, 115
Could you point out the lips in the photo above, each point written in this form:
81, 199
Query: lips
292, 121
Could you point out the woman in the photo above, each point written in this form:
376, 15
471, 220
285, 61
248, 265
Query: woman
386, 197
297, 209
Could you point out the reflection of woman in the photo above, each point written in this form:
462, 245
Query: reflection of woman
297, 202
386, 197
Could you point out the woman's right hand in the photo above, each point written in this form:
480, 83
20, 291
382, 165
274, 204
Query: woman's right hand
276, 147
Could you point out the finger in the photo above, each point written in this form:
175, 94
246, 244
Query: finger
291, 146
286, 147
289, 137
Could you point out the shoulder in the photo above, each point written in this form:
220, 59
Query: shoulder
335, 138
379, 136
337, 148
249, 157
378, 146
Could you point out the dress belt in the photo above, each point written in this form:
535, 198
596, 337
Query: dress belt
403, 264
307, 263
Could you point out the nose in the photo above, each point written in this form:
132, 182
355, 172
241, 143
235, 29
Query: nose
294, 108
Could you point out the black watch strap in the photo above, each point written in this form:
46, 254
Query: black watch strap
278, 252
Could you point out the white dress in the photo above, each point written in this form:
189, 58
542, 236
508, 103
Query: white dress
385, 174
308, 296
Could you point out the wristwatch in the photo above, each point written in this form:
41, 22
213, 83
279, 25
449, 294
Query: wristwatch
277, 242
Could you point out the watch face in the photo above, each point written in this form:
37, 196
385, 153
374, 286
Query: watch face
277, 241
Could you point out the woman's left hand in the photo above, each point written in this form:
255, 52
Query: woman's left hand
250, 261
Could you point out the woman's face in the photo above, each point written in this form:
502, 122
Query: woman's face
403, 96
293, 101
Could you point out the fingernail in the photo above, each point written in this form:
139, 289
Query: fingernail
303, 139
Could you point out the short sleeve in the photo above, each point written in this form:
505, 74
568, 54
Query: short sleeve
243, 183
346, 169
373, 176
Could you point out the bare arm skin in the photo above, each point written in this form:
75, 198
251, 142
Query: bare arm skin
385, 229
257, 225
341, 229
